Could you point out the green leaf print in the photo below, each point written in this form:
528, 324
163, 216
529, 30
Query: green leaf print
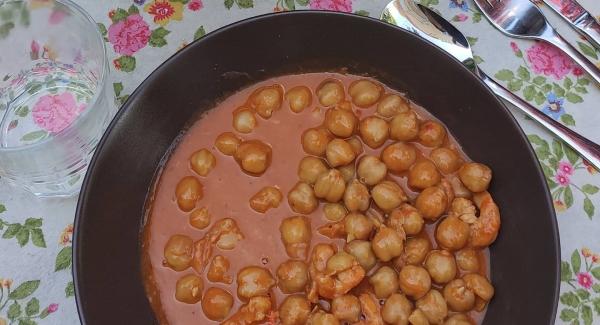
586, 314
583, 294
126, 63
11, 231
24, 290
596, 303
63, 259
302, 2
567, 119
576, 261
523, 73
587, 50
588, 207
33, 307
157, 38
35, 135
69, 290
228, 4
37, 238
596, 273
23, 236
27, 321
118, 88
504, 75
200, 32
539, 80
596, 288
14, 311
2, 208
119, 14
362, 13
568, 314
574, 98
33, 222
569, 299
565, 271
557, 149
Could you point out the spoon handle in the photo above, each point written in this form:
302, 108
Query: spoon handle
554, 38
589, 150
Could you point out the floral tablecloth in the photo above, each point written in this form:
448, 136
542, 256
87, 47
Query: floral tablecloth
36, 285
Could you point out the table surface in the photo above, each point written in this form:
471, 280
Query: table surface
35, 235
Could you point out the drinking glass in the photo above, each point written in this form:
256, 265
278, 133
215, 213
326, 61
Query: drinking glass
54, 102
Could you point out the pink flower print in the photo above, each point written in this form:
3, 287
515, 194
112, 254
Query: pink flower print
335, 5
54, 113
34, 52
56, 17
460, 17
577, 71
129, 35
195, 5
548, 60
516, 49
585, 280
52, 308
562, 179
565, 167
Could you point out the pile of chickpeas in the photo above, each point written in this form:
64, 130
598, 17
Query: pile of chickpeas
413, 217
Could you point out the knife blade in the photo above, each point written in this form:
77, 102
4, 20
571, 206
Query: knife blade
578, 18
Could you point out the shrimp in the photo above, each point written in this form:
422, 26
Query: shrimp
370, 309
333, 230
332, 274
318, 262
224, 234
447, 187
338, 284
483, 228
256, 310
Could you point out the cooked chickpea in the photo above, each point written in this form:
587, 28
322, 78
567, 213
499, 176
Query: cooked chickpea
475, 176
441, 266
416, 249
423, 174
292, 276
188, 289
396, 309
202, 162
458, 187
431, 202
347, 172
371, 170
330, 92
480, 285
452, 233
339, 153
299, 98
179, 252
365, 92
267, 99
414, 281
334, 211
356, 197
267, 198
346, 308
459, 319
339, 262
294, 310
356, 145
342, 123
217, 271
200, 218
417, 317
302, 198
388, 195
323, 318
315, 140
188, 192
384, 282
244, 120
432, 134
458, 297
468, 260
406, 218
399, 156
362, 251
357, 226
433, 306
216, 304
295, 235
374, 131
392, 105
254, 156
310, 169
445, 159
227, 143
253, 281
404, 126
387, 244
330, 186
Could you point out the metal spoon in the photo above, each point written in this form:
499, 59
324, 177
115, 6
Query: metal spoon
424, 22
523, 19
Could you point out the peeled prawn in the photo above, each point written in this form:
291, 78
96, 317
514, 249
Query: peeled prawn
224, 234
256, 310
370, 309
483, 228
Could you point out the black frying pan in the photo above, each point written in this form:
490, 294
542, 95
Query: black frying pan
108, 282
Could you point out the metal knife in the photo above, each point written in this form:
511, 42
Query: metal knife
579, 18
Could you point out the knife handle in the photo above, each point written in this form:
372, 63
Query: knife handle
590, 29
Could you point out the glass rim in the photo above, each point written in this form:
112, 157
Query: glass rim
101, 84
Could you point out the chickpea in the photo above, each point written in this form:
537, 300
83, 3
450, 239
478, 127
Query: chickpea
202, 162
253, 281
244, 120
342, 123
323, 318
374, 131
417, 317
216, 304
416, 249
414, 281
188, 192
362, 251
431, 202
356, 146
445, 159
433, 306
217, 271
480, 285
441, 266
227, 143
179, 252
396, 309
302, 198
356, 197
432, 134
357, 226
330, 92
315, 140
200, 218
299, 98
347, 172
267, 99
475, 176
292, 276
295, 235
339, 152
254, 156
404, 126
330, 186
346, 308
406, 218
339, 262
294, 310
387, 244
310, 169
392, 105
188, 289
468, 260
388, 195
452, 233
458, 297
459, 319
399, 156
371, 170
423, 174
384, 282
365, 92
334, 211
458, 187
268, 197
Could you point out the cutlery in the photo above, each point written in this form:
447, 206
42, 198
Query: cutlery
578, 18
426, 23
523, 19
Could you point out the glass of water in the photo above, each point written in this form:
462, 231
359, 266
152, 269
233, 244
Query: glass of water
54, 103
